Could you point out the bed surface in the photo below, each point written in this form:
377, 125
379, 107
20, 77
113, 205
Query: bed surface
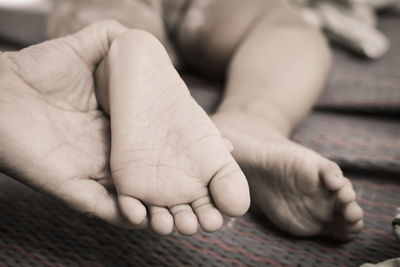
355, 122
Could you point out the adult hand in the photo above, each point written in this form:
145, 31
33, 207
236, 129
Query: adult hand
53, 136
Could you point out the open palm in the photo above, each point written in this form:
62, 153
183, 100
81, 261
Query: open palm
53, 135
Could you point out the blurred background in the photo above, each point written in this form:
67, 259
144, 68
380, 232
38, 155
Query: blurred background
23, 22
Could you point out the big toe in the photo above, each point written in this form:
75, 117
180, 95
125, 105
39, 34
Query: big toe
230, 190
209, 217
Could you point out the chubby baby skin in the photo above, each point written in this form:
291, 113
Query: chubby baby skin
167, 157
274, 66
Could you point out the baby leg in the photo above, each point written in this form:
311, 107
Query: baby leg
166, 153
275, 66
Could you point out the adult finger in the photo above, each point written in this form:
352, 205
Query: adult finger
92, 43
93, 199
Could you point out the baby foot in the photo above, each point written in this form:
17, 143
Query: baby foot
166, 152
297, 189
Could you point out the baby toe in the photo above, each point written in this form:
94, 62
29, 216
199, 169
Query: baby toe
132, 209
332, 176
185, 219
161, 220
356, 227
351, 230
230, 190
346, 193
209, 217
352, 212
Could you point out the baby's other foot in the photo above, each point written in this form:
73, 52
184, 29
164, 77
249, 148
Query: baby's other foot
297, 189
166, 153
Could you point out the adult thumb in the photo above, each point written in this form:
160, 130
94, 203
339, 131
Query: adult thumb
91, 43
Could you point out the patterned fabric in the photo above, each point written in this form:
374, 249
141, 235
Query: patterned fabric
356, 84
38, 231
350, 22
387, 263
354, 141
396, 224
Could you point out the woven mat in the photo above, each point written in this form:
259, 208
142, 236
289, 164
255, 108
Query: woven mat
38, 231
359, 84
354, 141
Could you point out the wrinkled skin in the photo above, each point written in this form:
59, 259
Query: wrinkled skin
50, 121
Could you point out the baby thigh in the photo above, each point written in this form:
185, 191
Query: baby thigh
209, 31
69, 16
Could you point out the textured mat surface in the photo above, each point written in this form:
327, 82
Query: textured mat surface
355, 141
38, 231
359, 84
